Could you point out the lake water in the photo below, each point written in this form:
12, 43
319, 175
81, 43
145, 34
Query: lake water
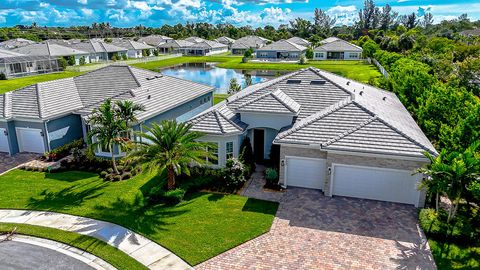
208, 73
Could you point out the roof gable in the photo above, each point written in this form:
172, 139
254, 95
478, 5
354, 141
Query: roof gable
284, 45
271, 102
339, 45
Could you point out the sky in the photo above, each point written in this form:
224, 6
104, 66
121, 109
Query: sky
154, 13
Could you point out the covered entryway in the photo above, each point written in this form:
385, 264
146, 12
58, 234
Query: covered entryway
258, 145
305, 172
4, 141
30, 140
375, 183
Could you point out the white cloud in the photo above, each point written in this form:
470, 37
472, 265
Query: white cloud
83, 2
87, 12
344, 15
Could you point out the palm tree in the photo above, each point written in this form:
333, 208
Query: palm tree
173, 147
234, 86
107, 129
127, 110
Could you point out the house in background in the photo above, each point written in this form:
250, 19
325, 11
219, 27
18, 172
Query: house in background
337, 49
99, 50
206, 47
155, 40
225, 40
328, 133
47, 115
14, 64
175, 46
241, 45
471, 33
53, 50
15, 43
281, 50
300, 41
134, 49
195, 39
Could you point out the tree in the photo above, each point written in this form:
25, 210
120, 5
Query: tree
234, 86
301, 28
309, 53
173, 148
248, 80
62, 63
369, 48
82, 61
127, 110
427, 20
248, 53
107, 130
368, 16
71, 60
322, 23
387, 17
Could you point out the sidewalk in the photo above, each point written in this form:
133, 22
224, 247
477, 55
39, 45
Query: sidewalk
136, 246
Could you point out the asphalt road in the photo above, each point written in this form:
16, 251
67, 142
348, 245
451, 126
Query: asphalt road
22, 256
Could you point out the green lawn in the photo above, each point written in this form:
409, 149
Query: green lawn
14, 84
452, 256
217, 98
115, 257
202, 226
356, 70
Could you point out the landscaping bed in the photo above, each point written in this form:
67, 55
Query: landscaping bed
202, 226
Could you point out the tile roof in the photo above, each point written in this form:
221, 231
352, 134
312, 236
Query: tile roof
176, 44
48, 48
334, 113
83, 93
154, 40
225, 40
15, 43
328, 40
250, 42
7, 53
299, 41
339, 45
130, 44
209, 44
274, 101
92, 46
284, 45
218, 121
195, 39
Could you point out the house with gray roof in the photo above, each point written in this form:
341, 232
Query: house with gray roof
206, 47
14, 64
334, 48
155, 40
175, 46
134, 49
471, 32
326, 132
98, 50
53, 50
300, 41
15, 43
241, 45
225, 40
281, 50
195, 39
47, 115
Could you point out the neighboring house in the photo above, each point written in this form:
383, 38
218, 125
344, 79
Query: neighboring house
15, 43
337, 135
134, 49
99, 50
47, 115
337, 49
206, 47
14, 64
155, 40
471, 33
281, 50
195, 39
53, 50
225, 40
241, 45
300, 41
176, 46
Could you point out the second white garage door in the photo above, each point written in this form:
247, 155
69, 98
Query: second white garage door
30, 140
305, 172
3, 141
375, 183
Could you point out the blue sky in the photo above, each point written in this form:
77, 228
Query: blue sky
154, 13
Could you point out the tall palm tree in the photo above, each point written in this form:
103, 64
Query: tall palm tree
173, 146
127, 110
106, 129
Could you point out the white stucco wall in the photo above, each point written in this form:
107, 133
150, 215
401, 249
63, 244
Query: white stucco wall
222, 141
263, 120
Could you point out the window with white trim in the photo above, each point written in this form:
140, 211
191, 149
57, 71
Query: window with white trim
228, 150
214, 151
319, 55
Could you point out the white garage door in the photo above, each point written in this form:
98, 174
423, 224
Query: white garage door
305, 172
30, 140
3, 141
376, 184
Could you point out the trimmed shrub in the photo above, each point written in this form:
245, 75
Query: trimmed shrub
124, 56
117, 178
234, 173
3, 76
303, 60
110, 170
103, 174
170, 197
65, 150
126, 176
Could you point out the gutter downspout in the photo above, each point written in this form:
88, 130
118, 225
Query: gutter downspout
46, 135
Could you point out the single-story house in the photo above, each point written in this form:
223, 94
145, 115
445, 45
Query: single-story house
337, 49
15, 43
99, 50
300, 41
134, 49
206, 47
282, 49
225, 40
176, 46
241, 45
328, 132
195, 39
53, 50
14, 64
47, 115
471, 32
155, 40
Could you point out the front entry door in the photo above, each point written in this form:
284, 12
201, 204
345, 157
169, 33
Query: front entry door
258, 144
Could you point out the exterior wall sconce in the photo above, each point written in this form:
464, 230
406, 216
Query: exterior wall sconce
41, 134
282, 162
329, 170
5, 132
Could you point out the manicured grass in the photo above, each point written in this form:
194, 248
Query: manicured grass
14, 84
92, 245
217, 98
202, 226
356, 70
452, 256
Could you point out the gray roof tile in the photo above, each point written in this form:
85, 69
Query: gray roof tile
284, 45
338, 45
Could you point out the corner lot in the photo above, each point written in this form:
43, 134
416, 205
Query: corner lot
311, 231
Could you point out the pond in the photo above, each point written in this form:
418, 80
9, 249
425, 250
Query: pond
208, 73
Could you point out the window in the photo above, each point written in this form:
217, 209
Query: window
229, 150
263, 54
354, 55
319, 55
214, 151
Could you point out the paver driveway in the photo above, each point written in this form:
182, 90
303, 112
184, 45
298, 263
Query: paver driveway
8, 162
312, 231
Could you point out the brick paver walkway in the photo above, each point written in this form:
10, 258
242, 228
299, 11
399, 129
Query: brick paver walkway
312, 231
8, 162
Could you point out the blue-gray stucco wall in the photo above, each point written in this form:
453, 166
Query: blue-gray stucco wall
64, 130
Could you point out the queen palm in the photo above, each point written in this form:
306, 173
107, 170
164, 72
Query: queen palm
127, 110
172, 147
